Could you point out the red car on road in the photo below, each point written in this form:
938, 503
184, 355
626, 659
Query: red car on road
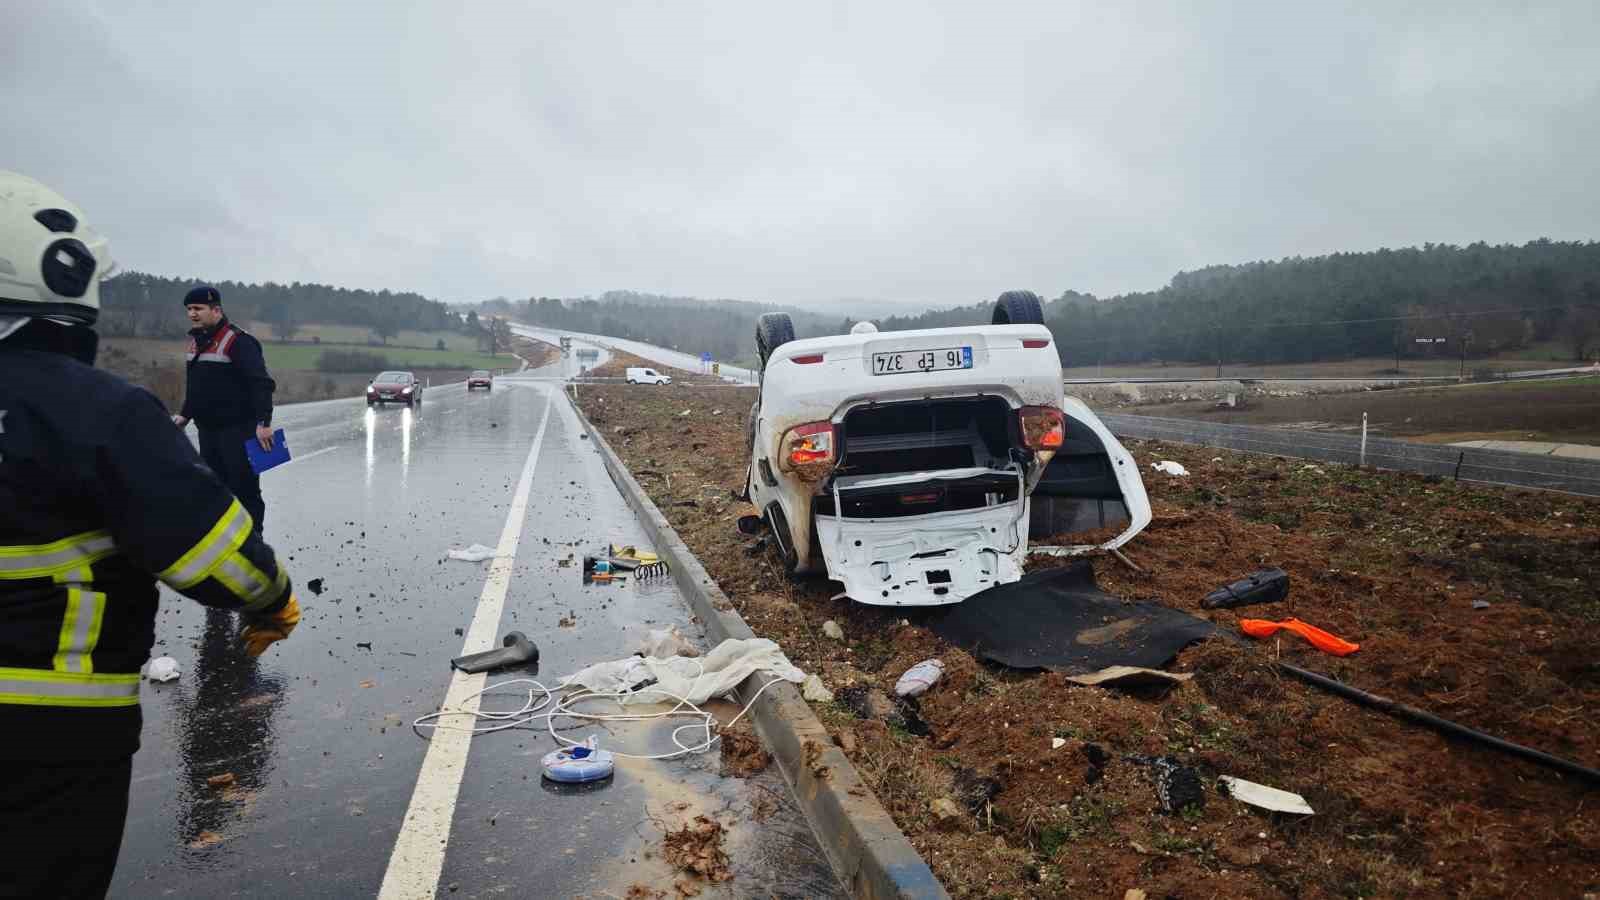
394, 387
480, 379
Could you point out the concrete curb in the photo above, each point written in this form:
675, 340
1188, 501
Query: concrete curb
871, 856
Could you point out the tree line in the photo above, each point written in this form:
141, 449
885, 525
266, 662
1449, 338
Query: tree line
1439, 299
138, 304
724, 328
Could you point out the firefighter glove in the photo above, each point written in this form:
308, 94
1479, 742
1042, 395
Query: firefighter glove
262, 630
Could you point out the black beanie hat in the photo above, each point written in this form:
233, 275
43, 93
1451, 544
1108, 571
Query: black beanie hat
205, 294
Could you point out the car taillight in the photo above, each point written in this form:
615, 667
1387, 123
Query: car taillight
807, 445
1036, 343
1043, 427
808, 360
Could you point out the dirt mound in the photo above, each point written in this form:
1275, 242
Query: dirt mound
1394, 562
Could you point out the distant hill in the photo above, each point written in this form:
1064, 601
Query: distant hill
723, 328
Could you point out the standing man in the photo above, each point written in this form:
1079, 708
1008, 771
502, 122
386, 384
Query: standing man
228, 395
99, 497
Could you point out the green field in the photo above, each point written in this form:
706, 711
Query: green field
305, 356
355, 334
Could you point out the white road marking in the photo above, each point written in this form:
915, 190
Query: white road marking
418, 857
313, 453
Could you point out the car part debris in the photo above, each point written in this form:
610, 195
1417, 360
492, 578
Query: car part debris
1322, 640
314, 586
832, 629
1131, 678
1168, 467
1443, 726
516, 649
474, 553
1059, 619
1265, 586
576, 765
1269, 798
162, 669
1177, 785
917, 679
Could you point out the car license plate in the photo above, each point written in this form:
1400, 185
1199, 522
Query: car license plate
908, 361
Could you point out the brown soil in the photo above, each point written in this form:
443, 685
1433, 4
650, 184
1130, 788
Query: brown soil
1559, 410
537, 353
1388, 560
621, 360
742, 752
696, 850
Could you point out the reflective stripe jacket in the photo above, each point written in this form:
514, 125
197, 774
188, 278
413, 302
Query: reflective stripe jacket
99, 496
227, 381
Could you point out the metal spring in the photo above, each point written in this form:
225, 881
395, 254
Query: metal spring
651, 570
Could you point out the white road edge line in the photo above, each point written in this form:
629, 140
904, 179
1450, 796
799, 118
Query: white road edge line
418, 857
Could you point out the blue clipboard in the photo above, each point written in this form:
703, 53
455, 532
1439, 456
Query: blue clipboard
262, 460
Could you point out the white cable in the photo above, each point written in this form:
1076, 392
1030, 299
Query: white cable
529, 713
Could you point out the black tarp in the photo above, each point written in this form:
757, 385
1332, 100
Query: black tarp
1059, 619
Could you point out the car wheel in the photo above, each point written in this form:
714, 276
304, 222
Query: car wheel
779, 523
1018, 308
631, 381
773, 330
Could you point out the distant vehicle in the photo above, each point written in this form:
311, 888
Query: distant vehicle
647, 376
394, 387
480, 379
903, 463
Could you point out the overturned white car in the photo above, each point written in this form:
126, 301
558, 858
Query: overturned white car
905, 464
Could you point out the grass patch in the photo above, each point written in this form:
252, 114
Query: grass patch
304, 357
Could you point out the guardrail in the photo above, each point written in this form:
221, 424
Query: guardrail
1530, 470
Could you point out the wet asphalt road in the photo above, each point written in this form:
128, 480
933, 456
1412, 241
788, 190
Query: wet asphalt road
317, 734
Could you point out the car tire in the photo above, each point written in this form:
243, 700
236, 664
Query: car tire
779, 523
1018, 308
773, 330
631, 381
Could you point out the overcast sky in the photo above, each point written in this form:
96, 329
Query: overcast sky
929, 153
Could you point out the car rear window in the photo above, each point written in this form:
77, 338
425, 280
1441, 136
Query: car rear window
393, 378
481, 373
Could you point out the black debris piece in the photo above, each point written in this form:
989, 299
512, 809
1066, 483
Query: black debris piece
1265, 586
1059, 619
1177, 785
314, 586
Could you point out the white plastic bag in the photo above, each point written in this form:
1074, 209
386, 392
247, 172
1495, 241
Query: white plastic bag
665, 643
162, 669
1169, 467
475, 553
917, 679
695, 680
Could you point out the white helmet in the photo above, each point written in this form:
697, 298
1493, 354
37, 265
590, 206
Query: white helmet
50, 262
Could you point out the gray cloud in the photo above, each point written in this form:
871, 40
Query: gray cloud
799, 152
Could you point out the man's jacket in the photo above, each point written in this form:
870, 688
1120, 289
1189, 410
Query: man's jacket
99, 497
228, 382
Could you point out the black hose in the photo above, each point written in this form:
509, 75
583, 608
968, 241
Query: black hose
1444, 726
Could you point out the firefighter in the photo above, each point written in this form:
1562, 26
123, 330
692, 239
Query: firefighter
228, 395
99, 497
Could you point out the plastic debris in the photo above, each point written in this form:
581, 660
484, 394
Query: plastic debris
162, 669
1269, 798
1130, 677
832, 629
1169, 467
474, 553
1177, 785
516, 649
1264, 586
223, 780
917, 679
814, 690
1057, 743
1322, 640
1480, 604
665, 643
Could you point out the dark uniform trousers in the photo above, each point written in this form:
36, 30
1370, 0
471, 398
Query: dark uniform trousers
62, 838
222, 447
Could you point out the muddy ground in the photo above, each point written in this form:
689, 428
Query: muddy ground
1392, 561
621, 360
1552, 410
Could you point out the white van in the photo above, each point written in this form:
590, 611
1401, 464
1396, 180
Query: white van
647, 376
902, 463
